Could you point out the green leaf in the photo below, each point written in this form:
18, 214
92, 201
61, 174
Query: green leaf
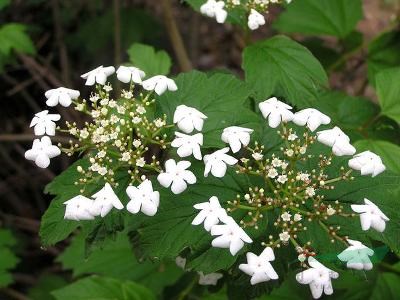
217, 96
4, 3
53, 227
14, 37
44, 286
8, 260
149, 60
279, 66
388, 89
383, 53
320, 17
101, 288
115, 258
389, 152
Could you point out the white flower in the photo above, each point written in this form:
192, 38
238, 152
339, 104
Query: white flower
276, 162
336, 139
286, 216
209, 279
136, 143
310, 191
370, 216
140, 110
61, 95
284, 236
78, 208
230, 235
140, 162
282, 179
236, 137
176, 176
214, 9
272, 173
255, 20
292, 137
143, 198
210, 213
188, 118
217, 161
180, 262
44, 123
41, 152
257, 156
159, 122
311, 117
98, 75
368, 163
104, 201
297, 217
289, 152
330, 211
188, 144
302, 258
318, 277
128, 74
276, 111
259, 267
159, 84
357, 256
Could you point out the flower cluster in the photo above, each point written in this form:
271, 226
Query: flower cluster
291, 196
122, 136
218, 9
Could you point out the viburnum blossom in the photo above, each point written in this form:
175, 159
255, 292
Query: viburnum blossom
62, 96
368, 163
276, 111
370, 216
176, 175
211, 213
311, 117
78, 208
127, 74
217, 162
188, 118
98, 75
259, 267
318, 277
143, 198
41, 152
357, 256
255, 20
159, 84
230, 235
236, 136
214, 9
336, 139
188, 144
104, 201
43, 123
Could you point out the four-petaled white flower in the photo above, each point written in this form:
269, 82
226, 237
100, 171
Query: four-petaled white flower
286, 216
43, 123
98, 75
255, 20
127, 74
276, 111
188, 144
210, 213
357, 256
176, 176
41, 152
61, 95
217, 161
214, 9
104, 201
236, 136
78, 208
230, 235
188, 118
368, 163
336, 139
318, 277
311, 117
259, 267
209, 279
370, 216
159, 84
143, 198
